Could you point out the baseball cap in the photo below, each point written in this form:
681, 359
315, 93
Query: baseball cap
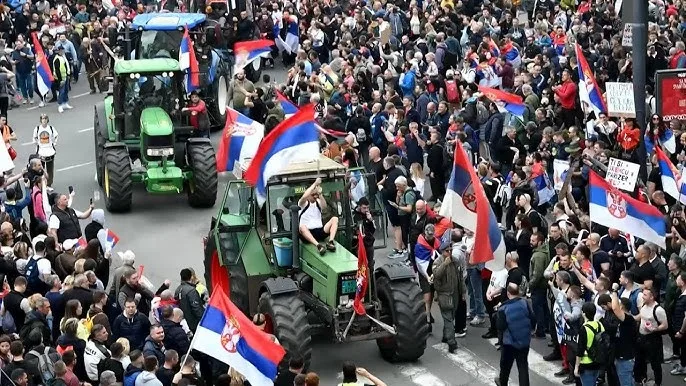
69, 244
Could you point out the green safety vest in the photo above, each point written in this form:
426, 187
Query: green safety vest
590, 335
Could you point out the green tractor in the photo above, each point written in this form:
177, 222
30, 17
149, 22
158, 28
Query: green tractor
264, 267
142, 137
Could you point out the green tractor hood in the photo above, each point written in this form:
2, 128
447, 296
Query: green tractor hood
326, 270
156, 122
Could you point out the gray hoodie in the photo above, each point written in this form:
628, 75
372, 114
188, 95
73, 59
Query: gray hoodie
146, 378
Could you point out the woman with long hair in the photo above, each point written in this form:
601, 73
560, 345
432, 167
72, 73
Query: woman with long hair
417, 177
72, 309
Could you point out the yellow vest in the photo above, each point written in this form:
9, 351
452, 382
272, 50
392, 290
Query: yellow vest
590, 335
556, 265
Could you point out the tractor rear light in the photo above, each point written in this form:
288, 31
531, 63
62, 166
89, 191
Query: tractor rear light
160, 152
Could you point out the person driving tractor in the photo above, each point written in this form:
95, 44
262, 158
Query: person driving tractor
311, 228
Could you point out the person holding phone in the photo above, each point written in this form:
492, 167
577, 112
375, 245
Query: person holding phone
352, 372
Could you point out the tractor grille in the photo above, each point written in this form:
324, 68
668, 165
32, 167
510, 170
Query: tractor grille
158, 141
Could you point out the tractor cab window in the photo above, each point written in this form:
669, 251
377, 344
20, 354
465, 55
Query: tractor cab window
160, 44
281, 197
144, 90
238, 200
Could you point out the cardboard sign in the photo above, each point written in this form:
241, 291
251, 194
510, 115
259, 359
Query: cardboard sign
622, 174
560, 169
620, 99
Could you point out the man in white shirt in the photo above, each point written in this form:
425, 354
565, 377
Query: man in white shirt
64, 221
311, 227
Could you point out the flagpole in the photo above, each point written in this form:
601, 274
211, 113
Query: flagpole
190, 347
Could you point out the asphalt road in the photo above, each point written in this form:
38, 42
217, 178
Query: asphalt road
166, 236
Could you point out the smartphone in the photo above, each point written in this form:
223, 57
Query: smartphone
71, 189
91, 201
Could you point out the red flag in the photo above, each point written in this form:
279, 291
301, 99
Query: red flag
362, 276
224, 144
499, 95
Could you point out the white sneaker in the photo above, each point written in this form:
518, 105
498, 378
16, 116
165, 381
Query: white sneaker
67, 106
477, 321
23, 102
41, 104
60, 108
31, 101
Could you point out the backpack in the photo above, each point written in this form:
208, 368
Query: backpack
46, 364
482, 114
544, 222
32, 274
524, 287
452, 94
658, 320
84, 329
599, 351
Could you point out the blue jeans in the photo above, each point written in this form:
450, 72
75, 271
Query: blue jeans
625, 371
589, 377
475, 291
25, 84
63, 96
539, 302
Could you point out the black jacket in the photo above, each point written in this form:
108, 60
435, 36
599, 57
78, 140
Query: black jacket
190, 303
83, 295
31, 368
175, 337
79, 347
134, 329
35, 322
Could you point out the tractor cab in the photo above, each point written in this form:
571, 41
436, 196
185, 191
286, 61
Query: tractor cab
159, 35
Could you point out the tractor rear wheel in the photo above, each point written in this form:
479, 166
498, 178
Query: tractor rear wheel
286, 318
220, 89
202, 188
117, 179
100, 137
403, 308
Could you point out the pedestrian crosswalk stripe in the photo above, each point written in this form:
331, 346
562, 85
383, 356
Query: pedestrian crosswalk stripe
421, 376
471, 363
538, 365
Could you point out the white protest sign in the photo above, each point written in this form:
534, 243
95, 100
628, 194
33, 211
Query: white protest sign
560, 169
620, 99
622, 174
6, 163
627, 34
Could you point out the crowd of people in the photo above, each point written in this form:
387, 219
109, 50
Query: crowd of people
402, 80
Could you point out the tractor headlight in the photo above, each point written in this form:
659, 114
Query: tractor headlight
160, 152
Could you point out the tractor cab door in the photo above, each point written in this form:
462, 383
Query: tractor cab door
363, 184
237, 207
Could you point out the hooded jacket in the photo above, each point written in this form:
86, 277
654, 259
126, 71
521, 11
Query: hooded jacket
147, 378
65, 342
35, 322
96, 229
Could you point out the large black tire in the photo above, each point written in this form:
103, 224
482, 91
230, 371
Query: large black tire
100, 137
238, 278
402, 307
287, 317
202, 189
117, 180
220, 91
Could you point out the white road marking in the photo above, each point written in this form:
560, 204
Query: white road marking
27, 144
471, 363
71, 97
539, 366
85, 130
74, 166
421, 376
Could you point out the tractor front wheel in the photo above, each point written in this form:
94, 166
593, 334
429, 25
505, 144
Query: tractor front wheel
117, 179
100, 136
286, 318
403, 308
202, 188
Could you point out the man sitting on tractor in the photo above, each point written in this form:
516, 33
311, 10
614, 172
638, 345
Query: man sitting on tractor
311, 229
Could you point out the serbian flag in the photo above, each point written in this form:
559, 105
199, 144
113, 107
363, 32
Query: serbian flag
362, 276
188, 63
44, 76
240, 139
247, 52
81, 243
424, 254
112, 239
612, 208
665, 138
227, 335
512, 103
294, 140
466, 204
289, 108
545, 188
589, 92
672, 183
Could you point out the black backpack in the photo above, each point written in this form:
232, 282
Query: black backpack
599, 352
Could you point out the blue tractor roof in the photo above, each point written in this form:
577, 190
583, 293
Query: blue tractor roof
166, 21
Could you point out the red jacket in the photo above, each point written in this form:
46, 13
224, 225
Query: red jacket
628, 138
197, 109
567, 95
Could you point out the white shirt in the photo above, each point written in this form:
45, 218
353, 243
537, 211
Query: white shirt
311, 215
498, 280
44, 266
45, 138
54, 222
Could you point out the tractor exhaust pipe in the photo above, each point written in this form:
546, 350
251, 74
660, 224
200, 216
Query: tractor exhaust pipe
295, 235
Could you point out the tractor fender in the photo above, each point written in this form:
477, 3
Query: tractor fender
279, 285
113, 145
395, 272
192, 141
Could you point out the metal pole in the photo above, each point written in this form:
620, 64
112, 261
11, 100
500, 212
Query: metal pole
639, 24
